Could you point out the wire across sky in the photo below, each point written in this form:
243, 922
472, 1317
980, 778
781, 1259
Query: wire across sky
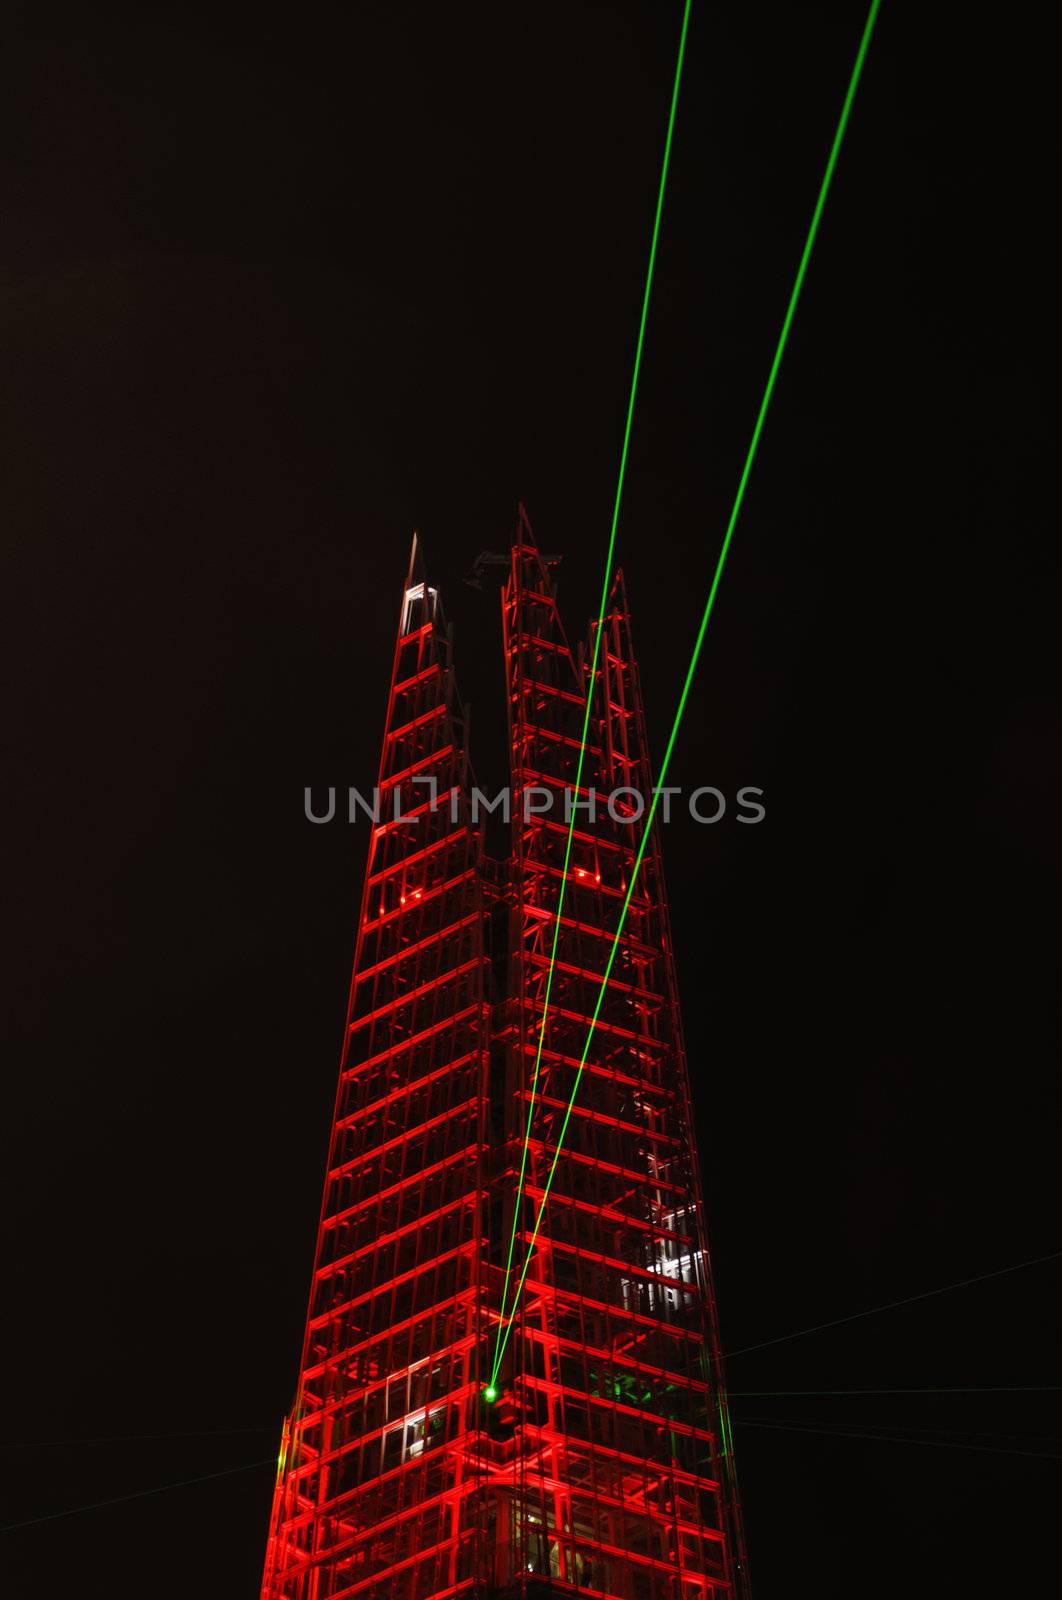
507, 1316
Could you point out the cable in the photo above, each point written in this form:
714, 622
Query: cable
698, 644
791, 1394
140, 1494
891, 1305
593, 663
883, 1438
918, 1431
129, 1438
735, 1394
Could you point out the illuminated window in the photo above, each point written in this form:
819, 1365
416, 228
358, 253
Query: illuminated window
419, 607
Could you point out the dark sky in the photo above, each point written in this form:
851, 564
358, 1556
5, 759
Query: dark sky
279, 286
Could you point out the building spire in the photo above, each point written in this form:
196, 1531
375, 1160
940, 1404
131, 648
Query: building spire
416, 572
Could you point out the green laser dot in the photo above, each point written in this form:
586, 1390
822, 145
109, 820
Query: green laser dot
490, 1394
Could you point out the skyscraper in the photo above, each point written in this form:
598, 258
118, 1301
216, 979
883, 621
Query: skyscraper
510, 1378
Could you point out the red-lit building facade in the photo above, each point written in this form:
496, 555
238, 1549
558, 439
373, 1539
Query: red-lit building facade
603, 1465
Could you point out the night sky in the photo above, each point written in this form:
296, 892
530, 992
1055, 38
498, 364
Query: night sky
280, 286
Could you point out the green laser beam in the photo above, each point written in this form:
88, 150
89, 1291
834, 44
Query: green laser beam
739, 497
892, 1305
597, 646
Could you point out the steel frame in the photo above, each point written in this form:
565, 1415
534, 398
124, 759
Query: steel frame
605, 1467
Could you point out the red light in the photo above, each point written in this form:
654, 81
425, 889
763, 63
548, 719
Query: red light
398, 1410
